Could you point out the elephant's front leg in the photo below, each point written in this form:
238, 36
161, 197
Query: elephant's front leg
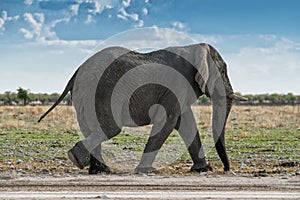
158, 136
187, 129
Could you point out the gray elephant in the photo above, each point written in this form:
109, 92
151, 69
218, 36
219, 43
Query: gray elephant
118, 87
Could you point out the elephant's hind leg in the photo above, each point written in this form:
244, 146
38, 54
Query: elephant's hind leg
88, 151
97, 164
79, 155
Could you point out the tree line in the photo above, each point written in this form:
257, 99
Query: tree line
263, 99
24, 97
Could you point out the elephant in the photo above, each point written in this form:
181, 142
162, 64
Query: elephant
119, 87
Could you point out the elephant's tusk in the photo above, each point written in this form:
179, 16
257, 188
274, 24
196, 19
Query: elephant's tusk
237, 98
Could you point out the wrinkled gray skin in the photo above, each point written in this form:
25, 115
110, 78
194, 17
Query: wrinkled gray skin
117, 87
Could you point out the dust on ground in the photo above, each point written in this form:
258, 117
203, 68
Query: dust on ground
150, 186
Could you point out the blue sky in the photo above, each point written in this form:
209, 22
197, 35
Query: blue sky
42, 42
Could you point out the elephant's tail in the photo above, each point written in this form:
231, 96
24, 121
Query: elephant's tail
68, 88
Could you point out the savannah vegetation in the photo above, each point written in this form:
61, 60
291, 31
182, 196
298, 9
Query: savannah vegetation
24, 96
261, 141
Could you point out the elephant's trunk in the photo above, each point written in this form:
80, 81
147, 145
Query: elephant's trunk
221, 109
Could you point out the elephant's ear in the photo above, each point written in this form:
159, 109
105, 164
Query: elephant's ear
208, 71
201, 61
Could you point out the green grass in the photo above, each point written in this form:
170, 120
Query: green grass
257, 145
42, 144
274, 142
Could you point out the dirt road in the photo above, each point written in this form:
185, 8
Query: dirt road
150, 187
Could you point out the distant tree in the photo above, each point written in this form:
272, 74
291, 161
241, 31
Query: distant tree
290, 98
203, 100
68, 98
274, 98
23, 95
53, 97
250, 97
8, 97
11, 98
261, 97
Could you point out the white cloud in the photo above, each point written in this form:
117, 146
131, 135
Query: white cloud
139, 24
74, 9
126, 3
28, 2
145, 11
14, 18
89, 20
36, 22
100, 5
173, 37
71, 43
134, 17
47, 32
258, 69
210, 39
27, 34
122, 17
108, 6
5, 18
178, 25
41, 25
2, 22
123, 14
39, 30
40, 17
146, 39
4, 15
268, 37
97, 7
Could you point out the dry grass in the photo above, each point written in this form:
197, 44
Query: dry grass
63, 117
25, 118
286, 117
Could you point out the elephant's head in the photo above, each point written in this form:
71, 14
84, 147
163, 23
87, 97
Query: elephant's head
214, 82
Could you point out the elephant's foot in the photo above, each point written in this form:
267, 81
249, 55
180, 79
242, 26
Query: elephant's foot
199, 168
226, 168
99, 168
79, 155
145, 170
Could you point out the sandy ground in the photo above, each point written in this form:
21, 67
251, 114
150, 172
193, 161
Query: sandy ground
150, 187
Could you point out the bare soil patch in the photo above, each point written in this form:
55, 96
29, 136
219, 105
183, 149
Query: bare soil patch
150, 187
